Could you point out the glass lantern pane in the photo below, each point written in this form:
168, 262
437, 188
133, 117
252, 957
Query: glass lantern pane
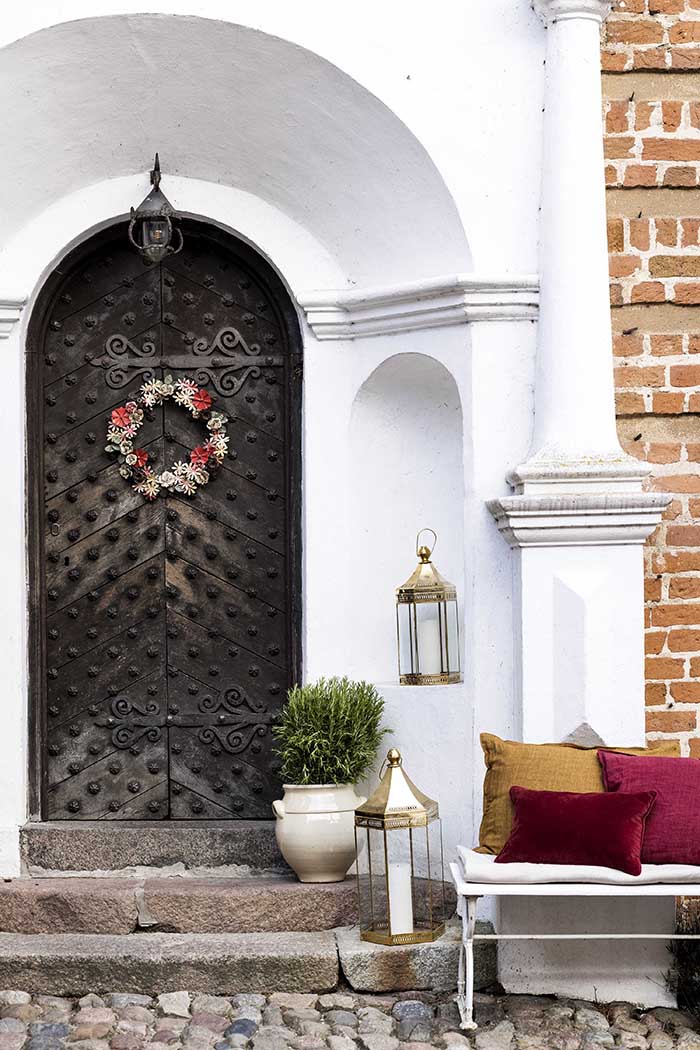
454, 655
400, 882
371, 868
429, 641
155, 232
406, 631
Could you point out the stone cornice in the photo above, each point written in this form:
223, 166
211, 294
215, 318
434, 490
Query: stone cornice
550, 469
595, 519
432, 303
10, 310
558, 10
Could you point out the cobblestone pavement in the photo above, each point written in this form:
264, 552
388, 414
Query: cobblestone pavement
340, 1021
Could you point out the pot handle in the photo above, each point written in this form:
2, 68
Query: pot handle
278, 808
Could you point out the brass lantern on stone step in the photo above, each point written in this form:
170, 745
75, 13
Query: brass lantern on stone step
400, 871
427, 624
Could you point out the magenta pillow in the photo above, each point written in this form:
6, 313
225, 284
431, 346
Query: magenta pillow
672, 834
567, 827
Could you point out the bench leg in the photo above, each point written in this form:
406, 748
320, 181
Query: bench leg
465, 983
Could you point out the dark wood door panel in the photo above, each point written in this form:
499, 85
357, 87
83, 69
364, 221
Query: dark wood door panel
249, 622
246, 510
203, 653
105, 612
68, 520
229, 555
106, 555
105, 671
80, 336
166, 633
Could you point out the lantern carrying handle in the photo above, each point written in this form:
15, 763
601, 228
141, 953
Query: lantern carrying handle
419, 545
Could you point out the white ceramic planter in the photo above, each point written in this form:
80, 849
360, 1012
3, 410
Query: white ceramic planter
316, 829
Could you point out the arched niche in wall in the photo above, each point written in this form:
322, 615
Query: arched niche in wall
407, 473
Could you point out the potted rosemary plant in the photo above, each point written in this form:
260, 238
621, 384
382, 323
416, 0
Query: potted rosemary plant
327, 740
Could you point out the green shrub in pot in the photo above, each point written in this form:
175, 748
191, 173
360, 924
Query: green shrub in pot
327, 738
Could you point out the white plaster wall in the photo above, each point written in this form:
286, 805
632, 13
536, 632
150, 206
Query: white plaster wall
466, 80
604, 971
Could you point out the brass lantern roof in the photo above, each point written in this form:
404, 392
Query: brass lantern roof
397, 802
426, 584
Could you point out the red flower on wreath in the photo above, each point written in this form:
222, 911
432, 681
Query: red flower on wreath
141, 457
121, 417
201, 400
199, 456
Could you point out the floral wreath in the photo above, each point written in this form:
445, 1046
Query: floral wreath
184, 477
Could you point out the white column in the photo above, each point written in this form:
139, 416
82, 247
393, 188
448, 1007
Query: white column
574, 394
579, 515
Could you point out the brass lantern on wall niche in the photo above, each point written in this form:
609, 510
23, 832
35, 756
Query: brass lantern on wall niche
427, 624
400, 876
151, 230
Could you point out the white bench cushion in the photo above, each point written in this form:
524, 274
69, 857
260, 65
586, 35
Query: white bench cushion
481, 868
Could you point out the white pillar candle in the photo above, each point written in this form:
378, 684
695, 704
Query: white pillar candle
400, 899
429, 641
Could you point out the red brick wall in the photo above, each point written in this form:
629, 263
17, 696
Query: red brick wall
651, 84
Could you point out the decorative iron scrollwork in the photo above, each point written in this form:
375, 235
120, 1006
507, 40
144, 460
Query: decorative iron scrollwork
123, 361
232, 700
234, 740
131, 722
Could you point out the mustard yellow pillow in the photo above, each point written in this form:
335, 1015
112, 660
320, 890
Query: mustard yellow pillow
541, 767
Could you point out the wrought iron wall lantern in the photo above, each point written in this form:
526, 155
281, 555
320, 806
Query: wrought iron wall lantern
151, 229
427, 624
400, 875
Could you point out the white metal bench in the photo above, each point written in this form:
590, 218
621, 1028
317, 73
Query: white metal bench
468, 893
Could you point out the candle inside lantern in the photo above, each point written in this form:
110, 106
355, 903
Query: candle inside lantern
429, 653
400, 899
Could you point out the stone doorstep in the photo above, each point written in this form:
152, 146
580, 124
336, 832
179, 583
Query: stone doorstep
223, 963
174, 905
417, 967
177, 905
70, 964
245, 847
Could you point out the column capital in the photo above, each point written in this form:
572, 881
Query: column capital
10, 310
558, 10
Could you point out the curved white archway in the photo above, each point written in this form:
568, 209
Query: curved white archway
93, 99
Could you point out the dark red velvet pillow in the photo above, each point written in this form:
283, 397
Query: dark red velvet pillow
566, 827
672, 834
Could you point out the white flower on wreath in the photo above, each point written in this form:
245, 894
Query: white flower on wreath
149, 487
151, 389
184, 398
187, 487
186, 386
167, 479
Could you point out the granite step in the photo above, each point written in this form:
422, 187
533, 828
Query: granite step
70, 964
241, 848
174, 905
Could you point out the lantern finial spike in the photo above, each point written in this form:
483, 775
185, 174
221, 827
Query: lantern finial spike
155, 174
394, 757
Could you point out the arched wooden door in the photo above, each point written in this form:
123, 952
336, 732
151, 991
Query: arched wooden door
164, 634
